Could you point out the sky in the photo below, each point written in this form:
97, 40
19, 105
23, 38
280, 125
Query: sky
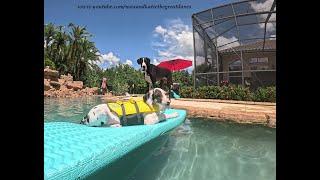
124, 35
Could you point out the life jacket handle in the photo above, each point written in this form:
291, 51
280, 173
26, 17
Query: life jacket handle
124, 114
131, 100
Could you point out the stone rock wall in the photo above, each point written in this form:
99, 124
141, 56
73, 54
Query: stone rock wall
64, 86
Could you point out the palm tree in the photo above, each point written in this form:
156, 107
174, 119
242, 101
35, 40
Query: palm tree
49, 33
59, 45
89, 54
78, 34
70, 51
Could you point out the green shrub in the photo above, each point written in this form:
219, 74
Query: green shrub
232, 92
182, 77
119, 87
240, 93
267, 94
48, 62
186, 92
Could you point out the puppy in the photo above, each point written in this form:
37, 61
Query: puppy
153, 73
157, 98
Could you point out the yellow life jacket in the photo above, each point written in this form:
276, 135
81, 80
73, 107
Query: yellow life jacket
130, 107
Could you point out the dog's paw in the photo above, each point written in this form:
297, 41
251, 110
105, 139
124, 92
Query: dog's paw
172, 115
175, 114
116, 125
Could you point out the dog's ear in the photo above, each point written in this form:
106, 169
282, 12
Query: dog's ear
139, 61
147, 60
156, 95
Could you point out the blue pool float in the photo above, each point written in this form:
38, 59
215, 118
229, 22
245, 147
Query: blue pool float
75, 151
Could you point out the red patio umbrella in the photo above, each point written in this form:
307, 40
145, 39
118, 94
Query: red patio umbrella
176, 64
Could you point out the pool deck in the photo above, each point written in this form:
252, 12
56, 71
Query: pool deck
236, 111
225, 110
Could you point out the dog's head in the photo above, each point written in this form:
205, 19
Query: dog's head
157, 97
144, 62
96, 116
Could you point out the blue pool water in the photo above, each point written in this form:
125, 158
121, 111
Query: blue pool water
198, 149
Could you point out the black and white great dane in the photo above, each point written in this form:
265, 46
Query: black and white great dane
153, 73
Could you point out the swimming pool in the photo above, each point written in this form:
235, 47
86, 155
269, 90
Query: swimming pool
199, 149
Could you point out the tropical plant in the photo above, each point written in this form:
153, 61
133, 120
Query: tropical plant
48, 62
70, 51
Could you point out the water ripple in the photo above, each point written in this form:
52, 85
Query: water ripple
198, 149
